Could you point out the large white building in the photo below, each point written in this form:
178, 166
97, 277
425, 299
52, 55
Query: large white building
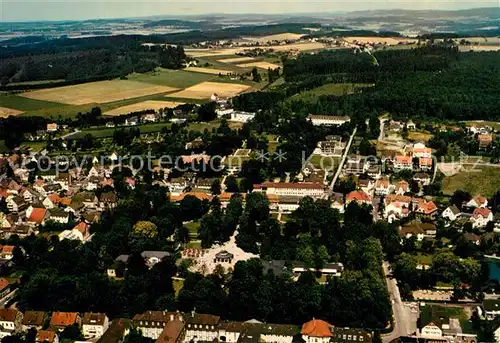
328, 120
94, 324
299, 189
241, 116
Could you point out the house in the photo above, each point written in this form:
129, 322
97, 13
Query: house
317, 331
366, 185
4, 287
108, 200
205, 183
359, 197
485, 141
396, 126
302, 189
241, 116
51, 201
51, 188
116, 332
431, 330
401, 187
61, 320
153, 257
33, 319
59, 216
473, 238
16, 204
477, 201
346, 335
10, 321
52, 127
224, 110
451, 213
132, 121
201, 327
410, 125
426, 209
7, 252
383, 187
412, 231
29, 195
421, 151
425, 163
150, 117
174, 332
331, 147
151, 323
46, 336
328, 120
374, 171
38, 216
491, 308
64, 179
94, 325
402, 162
423, 178
355, 165
177, 185
480, 217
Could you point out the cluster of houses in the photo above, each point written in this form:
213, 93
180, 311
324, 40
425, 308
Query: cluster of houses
172, 327
50, 325
66, 198
476, 211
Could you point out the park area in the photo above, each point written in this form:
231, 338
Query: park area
97, 92
205, 90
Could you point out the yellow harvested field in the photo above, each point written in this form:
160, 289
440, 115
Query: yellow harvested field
209, 70
5, 112
263, 65
236, 60
205, 90
100, 92
234, 51
278, 37
141, 106
379, 40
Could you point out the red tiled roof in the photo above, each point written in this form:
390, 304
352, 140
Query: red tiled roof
428, 207
357, 195
480, 211
8, 314
404, 159
55, 198
82, 227
7, 249
3, 283
480, 200
422, 150
45, 335
63, 318
37, 215
425, 161
199, 195
65, 201
317, 328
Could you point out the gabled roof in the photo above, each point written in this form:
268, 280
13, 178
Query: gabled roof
404, 159
37, 215
34, 318
3, 283
454, 209
358, 196
171, 332
480, 211
90, 318
317, 328
8, 314
63, 318
45, 335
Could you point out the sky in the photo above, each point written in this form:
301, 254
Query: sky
30, 10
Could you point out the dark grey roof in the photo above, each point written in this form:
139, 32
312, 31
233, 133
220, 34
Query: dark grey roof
157, 254
350, 335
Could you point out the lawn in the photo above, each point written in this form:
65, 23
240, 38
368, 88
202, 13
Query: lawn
438, 314
424, 259
35, 146
193, 228
328, 89
325, 162
475, 180
178, 283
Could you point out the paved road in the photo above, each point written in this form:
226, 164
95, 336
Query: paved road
70, 134
344, 157
404, 321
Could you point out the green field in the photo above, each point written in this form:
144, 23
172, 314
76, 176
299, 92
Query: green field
438, 314
172, 78
328, 89
25, 104
325, 162
477, 181
193, 228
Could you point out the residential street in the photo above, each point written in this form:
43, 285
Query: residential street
405, 322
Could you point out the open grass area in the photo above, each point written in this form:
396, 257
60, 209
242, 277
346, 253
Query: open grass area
193, 228
172, 78
35, 146
439, 314
177, 284
24, 104
328, 163
475, 180
419, 136
328, 89
424, 259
